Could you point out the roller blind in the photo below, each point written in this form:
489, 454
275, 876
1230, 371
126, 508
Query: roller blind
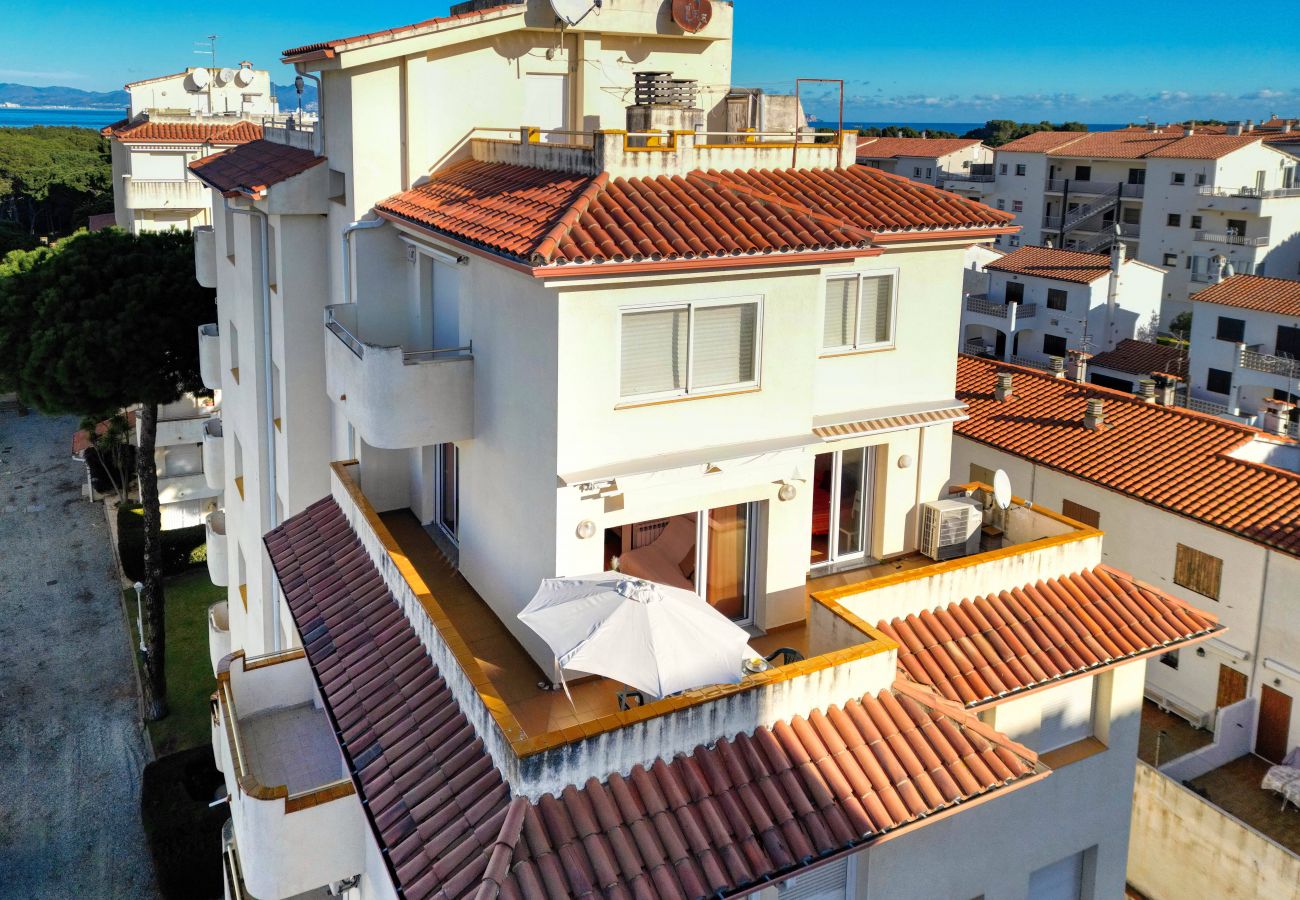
724, 345
1066, 714
841, 321
654, 351
877, 306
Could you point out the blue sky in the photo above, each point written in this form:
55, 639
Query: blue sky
937, 62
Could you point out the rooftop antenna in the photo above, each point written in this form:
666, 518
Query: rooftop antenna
211, 50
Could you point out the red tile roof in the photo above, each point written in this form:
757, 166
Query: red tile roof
1042, 141
1142, 358
253, 167
109, 130
546, 217
989, 648
428, 25
1114, 145
148, 132
1171, 458
1057, 264
734, 814
1280, 296
1204, 146
81, 440
888, 148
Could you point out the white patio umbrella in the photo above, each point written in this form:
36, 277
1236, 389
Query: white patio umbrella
653, 637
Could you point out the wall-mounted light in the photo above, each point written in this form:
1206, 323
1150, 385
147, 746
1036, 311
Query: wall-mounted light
905, 461
586, 529
1200, 651
787, 491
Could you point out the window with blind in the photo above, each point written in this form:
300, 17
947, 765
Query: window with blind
1198, 571
859, 312
687, 349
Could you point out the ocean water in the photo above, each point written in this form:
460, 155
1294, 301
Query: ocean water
76, 118
955, 127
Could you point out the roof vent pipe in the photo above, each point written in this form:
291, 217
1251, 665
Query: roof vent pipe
1095, 415
1147, 390
1003, 389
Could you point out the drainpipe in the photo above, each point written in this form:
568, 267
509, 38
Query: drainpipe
347, 251
268, 392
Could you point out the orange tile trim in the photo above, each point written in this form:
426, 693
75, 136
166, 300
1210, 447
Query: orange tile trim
525, 745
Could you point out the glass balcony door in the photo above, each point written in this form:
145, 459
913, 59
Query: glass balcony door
448, 491
841, 509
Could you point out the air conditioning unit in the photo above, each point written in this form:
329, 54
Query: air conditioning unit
949, 529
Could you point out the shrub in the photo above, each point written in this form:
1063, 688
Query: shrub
181, 547
183, 833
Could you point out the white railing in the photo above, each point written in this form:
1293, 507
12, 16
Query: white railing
1254, 193
1202, 406
292, 131
1043, 364
167, 193
1273, 365
1240, 240
986, 307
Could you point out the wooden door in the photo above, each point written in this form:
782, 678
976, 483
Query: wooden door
1232, 687
1274, 723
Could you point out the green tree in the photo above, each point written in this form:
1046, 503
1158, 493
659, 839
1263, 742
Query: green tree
96, 323
51, 179
997, 132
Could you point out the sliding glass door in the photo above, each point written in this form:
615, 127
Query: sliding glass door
841, 508
448, 491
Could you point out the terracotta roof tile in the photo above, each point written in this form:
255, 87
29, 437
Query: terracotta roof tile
1048, 631
891, 147
1054, 263
1132, 143
400, 31
705, 824
1204, 146
148, 132
546, 217
1280, 296
110, 130
1142, 358
1169, 457
1042, 141
252, 168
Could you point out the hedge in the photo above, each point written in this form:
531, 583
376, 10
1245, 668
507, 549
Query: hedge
182, 548
183, 833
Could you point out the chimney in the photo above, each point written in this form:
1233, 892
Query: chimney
1057, 366
1166, 390
1286, 127
1079, 365
1250, 125
1188, 131
1277, 415
1234, 128
663, 104
1095, 415
1002, 391
1147, 390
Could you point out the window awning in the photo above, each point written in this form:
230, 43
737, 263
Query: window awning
898, 418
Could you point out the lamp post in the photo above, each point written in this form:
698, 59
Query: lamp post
139, 615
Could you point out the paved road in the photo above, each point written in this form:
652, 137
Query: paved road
71, 749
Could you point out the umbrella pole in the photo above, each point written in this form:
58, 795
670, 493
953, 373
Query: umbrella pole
559, 673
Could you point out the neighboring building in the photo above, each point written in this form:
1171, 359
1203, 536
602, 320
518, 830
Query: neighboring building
1190, 202
1131, 362
501, 351
1245, 350
172, 121
927, 160
1205, 509
187, 492
1043, 302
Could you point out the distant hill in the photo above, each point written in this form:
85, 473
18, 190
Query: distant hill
26, 95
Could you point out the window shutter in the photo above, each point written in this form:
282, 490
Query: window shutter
1081, 513
1198, 571
723, 351
877, 302
654, 351
826, 882
841, 321
1066, 714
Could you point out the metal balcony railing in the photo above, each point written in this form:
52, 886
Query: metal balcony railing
1254, 193
409, 357
1240, 240
1125, 190
1269, 363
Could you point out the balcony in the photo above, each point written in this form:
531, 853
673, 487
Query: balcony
1096, 188
1252, 358
188, 486
205, 256
210, 356
187, 430
218, 633
1250, 200
1238, 240
292, 130
294, 811
981, 305
214, 453
167, 193
218, 572
379, 386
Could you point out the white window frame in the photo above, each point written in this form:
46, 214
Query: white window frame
689, 390
855, 347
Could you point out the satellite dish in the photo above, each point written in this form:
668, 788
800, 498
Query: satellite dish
225, 76
1001, 489
692, 15
244, 77
571, 12
200, 78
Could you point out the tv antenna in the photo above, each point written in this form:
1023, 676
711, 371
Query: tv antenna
211, 50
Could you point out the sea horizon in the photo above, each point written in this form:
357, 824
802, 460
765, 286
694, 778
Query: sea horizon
58, 116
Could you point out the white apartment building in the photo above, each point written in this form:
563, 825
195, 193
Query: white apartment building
1190, 202
591, 334
187, 492
1245, 351
927, 160
1043, 302
1202, 508
173, 120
